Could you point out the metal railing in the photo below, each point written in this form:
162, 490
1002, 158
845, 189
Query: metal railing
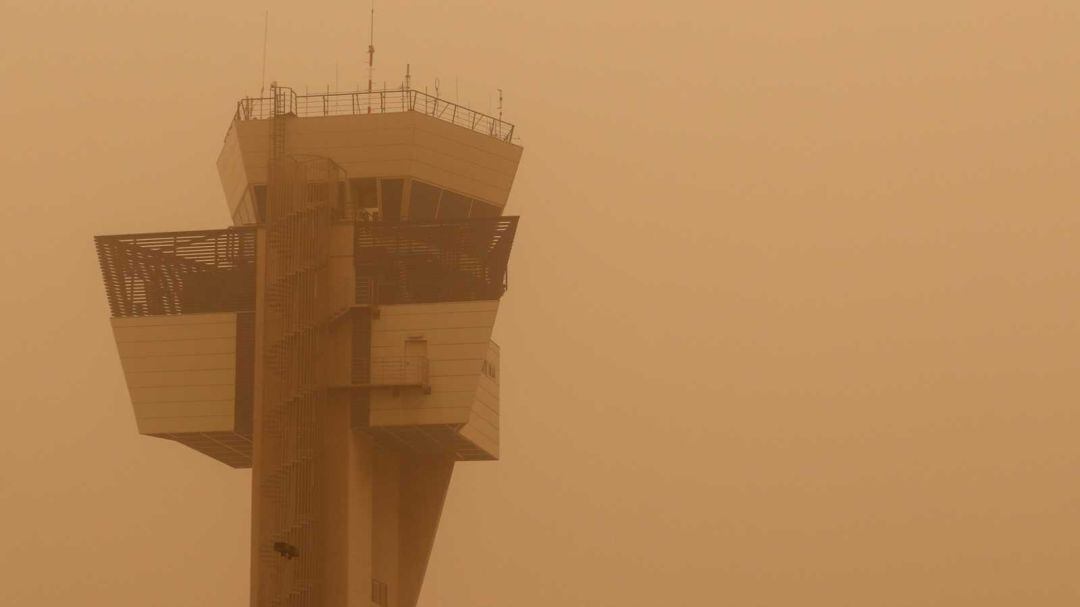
376, 102
427, 262
178, 272
399, 371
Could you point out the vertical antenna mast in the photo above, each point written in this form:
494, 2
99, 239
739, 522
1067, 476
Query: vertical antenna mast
266, 35
371, 55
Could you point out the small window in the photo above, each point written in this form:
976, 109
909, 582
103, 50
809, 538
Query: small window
423, 201
453, 206
483, 209
391, 198
363, 193
260, 201
341, 191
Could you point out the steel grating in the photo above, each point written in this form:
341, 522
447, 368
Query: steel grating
178, 272
295, 328
425, 262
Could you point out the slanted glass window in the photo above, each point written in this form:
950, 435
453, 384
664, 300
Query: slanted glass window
483, 209
363, 193
391, 198
453, 206
423, 201
259, 190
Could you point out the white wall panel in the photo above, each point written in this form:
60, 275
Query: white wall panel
456, 332
405, 144
180, 371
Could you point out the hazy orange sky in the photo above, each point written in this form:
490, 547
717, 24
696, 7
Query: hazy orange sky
793, 309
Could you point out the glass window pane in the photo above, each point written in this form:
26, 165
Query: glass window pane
391, 198
260, 200
483, 209
363, 193
423, 201
453, 206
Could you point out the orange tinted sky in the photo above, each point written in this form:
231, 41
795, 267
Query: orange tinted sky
792, 315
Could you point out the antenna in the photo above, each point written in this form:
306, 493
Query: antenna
371, 55
500, 104
266, 35
408, 77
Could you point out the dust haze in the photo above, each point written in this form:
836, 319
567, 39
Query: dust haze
792, 316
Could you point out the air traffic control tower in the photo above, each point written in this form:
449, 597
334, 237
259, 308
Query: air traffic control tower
337, 338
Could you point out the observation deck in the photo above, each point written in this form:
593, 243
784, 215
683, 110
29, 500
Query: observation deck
403, 150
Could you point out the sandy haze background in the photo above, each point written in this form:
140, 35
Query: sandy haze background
792, 316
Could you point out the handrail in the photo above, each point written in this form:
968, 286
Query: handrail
378, 102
